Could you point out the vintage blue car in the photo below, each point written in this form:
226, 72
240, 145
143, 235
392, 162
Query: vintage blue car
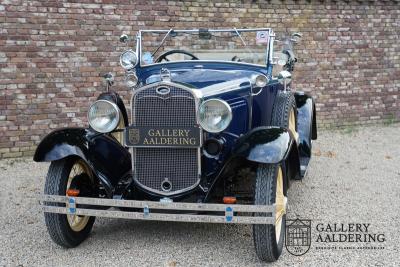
214, 134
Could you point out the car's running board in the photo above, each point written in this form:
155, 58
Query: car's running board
152, 210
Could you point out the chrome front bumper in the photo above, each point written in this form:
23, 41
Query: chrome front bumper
153, 210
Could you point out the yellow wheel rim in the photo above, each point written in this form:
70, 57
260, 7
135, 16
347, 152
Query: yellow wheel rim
77, 222
292, 124
280, 204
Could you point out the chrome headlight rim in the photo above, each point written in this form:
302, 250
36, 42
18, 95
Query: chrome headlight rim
259, 80
131, 65
115, 122
229, 118
131, 79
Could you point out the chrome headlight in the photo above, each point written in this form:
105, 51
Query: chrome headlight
128, 59
259, 80
215, 115
103, 116
131, 80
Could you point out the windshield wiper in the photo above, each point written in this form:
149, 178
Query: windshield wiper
162, 41
244, 43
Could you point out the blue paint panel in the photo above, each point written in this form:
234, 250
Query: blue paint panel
263, 105
199, 74
239, 102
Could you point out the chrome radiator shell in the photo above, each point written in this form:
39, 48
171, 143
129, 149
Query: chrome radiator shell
153, 165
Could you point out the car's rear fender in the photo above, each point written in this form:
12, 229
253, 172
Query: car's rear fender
108, 160
306, 122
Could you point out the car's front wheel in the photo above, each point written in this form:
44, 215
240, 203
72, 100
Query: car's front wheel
69, 175
269, 189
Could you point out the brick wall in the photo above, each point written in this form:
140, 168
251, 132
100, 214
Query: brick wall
52, 52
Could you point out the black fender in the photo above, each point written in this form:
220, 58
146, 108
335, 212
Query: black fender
271, 145
264, 144
115, 98
106, 157
306, 122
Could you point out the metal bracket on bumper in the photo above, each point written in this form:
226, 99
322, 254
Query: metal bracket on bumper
156, 211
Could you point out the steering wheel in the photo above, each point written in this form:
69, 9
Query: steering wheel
164, 55
236, 59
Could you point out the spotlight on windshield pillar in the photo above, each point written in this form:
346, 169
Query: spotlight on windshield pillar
131, 80
261, 80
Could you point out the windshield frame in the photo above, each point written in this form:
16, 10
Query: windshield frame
268, 54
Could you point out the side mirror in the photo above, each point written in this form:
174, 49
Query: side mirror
280, 58
284, 77
296, 37
297, 34
124, 38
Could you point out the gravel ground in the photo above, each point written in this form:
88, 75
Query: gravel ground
354, 177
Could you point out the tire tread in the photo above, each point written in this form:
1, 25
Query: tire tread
284, 102
57, 225
264, 235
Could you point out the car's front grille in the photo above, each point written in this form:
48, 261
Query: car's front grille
153, 166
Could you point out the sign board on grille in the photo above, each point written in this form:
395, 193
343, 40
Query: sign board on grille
162, 136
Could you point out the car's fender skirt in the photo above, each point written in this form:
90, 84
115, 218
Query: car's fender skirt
105, 156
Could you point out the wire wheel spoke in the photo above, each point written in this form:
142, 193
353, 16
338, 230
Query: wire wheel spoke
280, 204
292, 124
76, 222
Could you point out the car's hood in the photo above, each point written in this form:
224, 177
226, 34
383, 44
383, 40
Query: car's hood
201, 76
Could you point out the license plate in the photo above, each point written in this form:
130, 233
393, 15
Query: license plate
162, 136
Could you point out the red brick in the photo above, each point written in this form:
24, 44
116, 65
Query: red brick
51, 65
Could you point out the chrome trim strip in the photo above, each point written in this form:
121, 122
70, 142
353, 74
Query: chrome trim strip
160, 97
209, 30
271, 47
233, 30
203, 61
222, 87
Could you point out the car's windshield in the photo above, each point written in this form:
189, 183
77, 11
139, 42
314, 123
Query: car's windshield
241, 45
